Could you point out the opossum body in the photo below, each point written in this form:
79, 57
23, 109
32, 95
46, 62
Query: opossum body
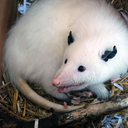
87, 37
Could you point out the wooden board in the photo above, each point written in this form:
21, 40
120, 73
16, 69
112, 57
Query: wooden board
8, 11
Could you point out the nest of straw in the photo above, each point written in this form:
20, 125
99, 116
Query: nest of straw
13, 103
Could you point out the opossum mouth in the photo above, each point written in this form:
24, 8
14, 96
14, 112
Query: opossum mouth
68, 88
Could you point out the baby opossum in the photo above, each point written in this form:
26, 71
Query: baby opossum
87, 37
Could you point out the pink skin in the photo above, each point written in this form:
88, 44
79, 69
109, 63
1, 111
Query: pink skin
114, 79
76, 100
84, 94
65, 105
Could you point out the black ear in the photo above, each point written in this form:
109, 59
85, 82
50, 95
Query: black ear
109, 54
70, 38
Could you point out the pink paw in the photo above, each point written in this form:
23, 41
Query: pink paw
114, 79
84, 94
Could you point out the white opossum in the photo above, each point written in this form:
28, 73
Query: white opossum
37, 46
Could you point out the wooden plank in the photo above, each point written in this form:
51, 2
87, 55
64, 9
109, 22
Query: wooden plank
8, 12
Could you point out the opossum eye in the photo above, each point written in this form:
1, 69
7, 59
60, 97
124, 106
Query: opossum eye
65, 61
70, 38
81, 68
109, 54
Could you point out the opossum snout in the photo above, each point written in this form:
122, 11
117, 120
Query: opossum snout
56, 83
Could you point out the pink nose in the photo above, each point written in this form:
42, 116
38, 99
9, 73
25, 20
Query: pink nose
55, 82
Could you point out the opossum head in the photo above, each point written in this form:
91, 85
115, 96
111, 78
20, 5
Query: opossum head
87, 61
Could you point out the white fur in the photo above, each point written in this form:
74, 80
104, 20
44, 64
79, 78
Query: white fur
36, 44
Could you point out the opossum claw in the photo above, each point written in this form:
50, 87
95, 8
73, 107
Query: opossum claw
76, 98
114, 79
65, 105
84, 94
75, 102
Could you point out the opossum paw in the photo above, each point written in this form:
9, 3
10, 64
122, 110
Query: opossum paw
72, 100
114, 79
84, 94
75, 101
